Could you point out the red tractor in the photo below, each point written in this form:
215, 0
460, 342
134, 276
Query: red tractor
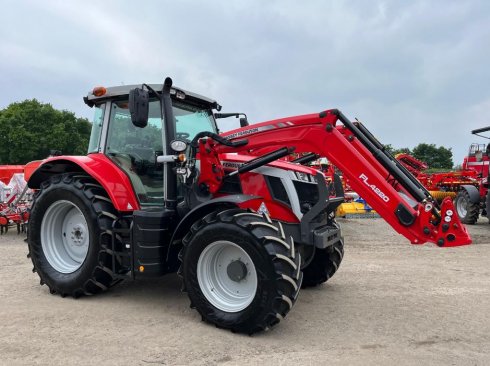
473, 200
162, 191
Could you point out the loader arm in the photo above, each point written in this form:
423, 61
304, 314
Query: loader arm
379, 178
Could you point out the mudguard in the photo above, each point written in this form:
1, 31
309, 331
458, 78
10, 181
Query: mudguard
473, 192
231, 201
115, 182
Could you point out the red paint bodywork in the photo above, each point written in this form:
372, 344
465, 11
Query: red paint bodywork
254, 184
115, 182
7, 172
314, 134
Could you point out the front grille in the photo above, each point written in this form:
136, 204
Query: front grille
277, 189
231, 184
307, 194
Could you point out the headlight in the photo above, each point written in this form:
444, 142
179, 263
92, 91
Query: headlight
178, 145
303, 176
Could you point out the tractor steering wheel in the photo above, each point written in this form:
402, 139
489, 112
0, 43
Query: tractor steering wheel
182, 135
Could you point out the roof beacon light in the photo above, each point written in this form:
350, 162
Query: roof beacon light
99, 91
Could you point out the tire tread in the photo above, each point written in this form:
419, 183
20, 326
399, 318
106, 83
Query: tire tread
285, 262
102, 277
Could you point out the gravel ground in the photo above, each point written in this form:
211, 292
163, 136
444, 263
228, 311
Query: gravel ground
390, 302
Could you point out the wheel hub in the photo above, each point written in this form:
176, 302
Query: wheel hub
65, 236
78, 235
227, 276
237, 270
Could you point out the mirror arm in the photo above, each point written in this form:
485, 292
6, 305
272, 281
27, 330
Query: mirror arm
159, 96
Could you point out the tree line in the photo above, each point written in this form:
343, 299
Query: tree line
29, 130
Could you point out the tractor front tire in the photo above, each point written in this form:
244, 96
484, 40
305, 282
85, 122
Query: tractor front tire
323, 265
240, 271
467, 211
69, 236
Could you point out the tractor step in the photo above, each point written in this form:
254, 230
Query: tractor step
150, 235
122, 249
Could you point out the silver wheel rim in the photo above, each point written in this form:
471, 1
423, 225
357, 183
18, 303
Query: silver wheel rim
222, 291
65, 236
461, 206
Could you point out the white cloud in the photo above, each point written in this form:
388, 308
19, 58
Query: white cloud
413, 71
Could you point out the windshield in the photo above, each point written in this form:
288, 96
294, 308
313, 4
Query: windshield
190, 120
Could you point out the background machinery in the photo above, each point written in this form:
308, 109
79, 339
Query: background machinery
468, 187
473, 200
440, 185
462, 185
14, 199
353, 206
161, 191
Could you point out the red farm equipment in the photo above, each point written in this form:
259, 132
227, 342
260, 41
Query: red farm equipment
468, 187
473, 200
161, 191
440, 185
7, 172
14, 208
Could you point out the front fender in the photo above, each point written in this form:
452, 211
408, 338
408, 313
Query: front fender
202, 210
114, 181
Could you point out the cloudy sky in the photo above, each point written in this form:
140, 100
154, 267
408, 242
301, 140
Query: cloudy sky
412, 71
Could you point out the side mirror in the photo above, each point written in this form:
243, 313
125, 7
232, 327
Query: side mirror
243, 122
139, 107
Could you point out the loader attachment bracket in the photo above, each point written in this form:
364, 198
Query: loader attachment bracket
325, 204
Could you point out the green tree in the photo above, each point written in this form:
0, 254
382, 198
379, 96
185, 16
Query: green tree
435, 157
394, 151
30, 129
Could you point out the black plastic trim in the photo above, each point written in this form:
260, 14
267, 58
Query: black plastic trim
151, 232
321, 236
271, 186
324, 204
308, 158
404, 215
207, 207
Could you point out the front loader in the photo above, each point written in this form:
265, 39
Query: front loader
162, 191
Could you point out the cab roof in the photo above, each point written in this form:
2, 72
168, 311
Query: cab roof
115, 92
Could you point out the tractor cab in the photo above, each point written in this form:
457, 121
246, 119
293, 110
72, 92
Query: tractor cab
135, 150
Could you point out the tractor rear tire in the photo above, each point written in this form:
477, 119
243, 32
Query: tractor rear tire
69, 236
467, 211
240, 271
323, 265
